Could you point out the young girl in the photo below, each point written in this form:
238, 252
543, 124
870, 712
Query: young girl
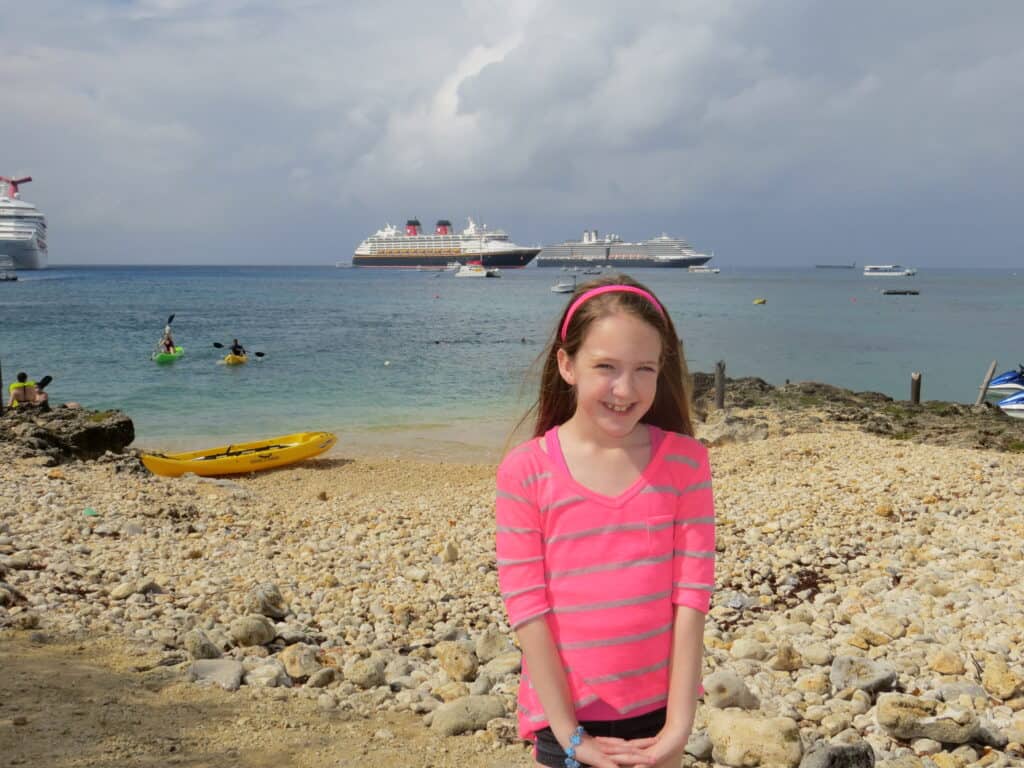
606, 539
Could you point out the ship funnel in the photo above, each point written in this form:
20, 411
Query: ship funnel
412, 227
9, 186
444, 227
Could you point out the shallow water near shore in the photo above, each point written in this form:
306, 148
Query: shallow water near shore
418, 363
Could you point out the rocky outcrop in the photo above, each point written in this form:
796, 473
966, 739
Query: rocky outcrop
64, 433
751, 404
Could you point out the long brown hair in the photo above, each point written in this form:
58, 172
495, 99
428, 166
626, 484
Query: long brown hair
556, 401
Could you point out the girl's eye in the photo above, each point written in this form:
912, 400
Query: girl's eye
603, 365
648, 368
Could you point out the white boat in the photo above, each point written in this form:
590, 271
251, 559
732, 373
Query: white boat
22, 227
563, 286
453, 266
703, 270
477, 270
888, 270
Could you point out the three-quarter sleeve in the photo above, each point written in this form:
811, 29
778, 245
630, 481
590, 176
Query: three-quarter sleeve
520, 550
693, 571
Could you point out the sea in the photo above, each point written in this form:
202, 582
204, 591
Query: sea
421, 364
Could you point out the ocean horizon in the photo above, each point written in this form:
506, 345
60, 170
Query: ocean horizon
397, 360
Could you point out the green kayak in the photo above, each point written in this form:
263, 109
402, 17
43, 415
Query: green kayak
168, 357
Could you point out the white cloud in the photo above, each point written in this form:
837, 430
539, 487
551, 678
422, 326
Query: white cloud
139, 115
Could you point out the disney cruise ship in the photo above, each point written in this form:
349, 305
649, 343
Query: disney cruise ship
611, 251
22, 228
389, 247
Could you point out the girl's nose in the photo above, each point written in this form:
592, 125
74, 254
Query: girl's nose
624, 385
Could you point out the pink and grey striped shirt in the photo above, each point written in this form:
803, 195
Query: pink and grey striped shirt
605, 572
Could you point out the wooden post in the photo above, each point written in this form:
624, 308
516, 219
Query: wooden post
983, 390
720, 384
915, 388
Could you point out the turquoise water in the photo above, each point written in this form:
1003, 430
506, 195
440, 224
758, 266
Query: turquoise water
369, 351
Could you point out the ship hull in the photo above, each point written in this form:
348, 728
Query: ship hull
22, 253
621, 263
507, 260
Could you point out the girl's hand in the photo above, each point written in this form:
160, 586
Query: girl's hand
608, 752
662, 751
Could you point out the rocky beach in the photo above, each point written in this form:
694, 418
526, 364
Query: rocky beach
869, 606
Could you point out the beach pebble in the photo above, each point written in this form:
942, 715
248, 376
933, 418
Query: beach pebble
911, 717
223, 672
861, 673
266, 600
466, 714
504, 664
366, 673
723, 689
699, 745
252, 630
823, 755
300, 661
744, 739
457, 661
269, 674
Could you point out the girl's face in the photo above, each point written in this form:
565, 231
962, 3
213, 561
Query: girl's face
614, 373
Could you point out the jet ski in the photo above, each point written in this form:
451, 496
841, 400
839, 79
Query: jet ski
1013, 405
1008, 383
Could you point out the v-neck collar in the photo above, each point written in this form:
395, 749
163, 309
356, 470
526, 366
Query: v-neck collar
657, 437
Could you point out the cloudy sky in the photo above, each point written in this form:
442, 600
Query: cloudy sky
774, 133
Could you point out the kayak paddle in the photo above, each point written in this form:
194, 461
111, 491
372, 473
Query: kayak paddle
43, 382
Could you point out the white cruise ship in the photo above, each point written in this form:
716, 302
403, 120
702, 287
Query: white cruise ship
22, 228
413, 249
611, 251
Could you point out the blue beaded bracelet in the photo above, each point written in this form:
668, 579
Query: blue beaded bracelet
570, 752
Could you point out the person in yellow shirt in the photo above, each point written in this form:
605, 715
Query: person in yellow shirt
26, 392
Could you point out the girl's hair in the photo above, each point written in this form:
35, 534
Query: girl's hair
556, 402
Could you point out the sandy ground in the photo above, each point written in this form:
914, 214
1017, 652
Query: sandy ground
68, 704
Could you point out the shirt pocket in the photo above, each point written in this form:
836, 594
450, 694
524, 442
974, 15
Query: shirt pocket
660, 535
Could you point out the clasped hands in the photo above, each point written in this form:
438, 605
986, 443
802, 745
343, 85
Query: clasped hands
662, 751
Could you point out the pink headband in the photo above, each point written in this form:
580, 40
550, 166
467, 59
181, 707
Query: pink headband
606, 289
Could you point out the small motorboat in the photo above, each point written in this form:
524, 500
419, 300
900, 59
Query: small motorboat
702, 270
8, 277
1007, 383
476, 269
564, 286
244, 457
1013, 405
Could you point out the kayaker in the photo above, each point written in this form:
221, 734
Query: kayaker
24, 392
167, 341
237, 349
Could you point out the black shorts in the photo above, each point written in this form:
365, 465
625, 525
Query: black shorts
550, 753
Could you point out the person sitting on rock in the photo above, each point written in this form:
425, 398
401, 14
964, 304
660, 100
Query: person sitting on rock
24, 392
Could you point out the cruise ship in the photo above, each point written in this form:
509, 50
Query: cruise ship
612, 251
415, 249
22, 228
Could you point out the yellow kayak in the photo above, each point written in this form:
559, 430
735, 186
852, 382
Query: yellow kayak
242, 457
235, 359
